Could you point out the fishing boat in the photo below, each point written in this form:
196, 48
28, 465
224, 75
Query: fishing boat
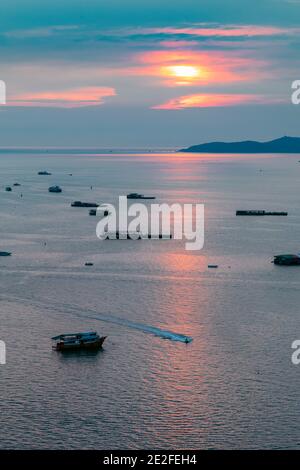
55, 189
101, 211
5, 253
287, 260
78, 341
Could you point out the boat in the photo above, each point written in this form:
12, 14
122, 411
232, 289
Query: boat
84, 204
137, 236
55, 189
260, 213
88, 263
5, 253
8, 188
17, 184
139, 196
287, 260
44, 173
78, 341
102, 211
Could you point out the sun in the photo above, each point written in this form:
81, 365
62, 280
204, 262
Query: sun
184, 71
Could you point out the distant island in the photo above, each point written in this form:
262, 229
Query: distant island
282, 145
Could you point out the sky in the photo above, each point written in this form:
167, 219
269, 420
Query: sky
147, 73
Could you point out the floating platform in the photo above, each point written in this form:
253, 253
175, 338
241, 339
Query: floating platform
137, 236
259, 213
84, 204
139, 196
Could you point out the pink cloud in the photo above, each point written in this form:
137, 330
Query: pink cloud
209, 100
200, 67
224, 31
74, 98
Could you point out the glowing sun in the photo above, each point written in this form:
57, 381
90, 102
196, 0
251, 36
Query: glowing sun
184, 71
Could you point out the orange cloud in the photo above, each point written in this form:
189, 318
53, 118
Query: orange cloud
75, 98
214, 100
180, 68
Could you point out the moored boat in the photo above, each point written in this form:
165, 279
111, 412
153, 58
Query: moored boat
84, 204
5, 253
139, 196
260, 213
137, 236
287, 260
55, 189
78, 341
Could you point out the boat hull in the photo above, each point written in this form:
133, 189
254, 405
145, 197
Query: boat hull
287, 262
141, 198
91, 346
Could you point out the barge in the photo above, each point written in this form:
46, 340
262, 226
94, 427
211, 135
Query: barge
259, 213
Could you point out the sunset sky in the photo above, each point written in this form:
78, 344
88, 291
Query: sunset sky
147, 73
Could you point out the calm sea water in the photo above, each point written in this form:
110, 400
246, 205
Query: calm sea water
234, 386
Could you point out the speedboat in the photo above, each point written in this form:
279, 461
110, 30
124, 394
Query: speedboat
78, 341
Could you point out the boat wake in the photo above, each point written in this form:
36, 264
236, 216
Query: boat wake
165, 334
91, 314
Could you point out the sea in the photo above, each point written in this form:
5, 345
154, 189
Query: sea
233, 386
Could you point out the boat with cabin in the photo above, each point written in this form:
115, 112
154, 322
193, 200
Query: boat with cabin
55, 189
287, 260
78, 341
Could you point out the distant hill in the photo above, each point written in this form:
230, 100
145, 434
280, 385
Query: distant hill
282, 145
